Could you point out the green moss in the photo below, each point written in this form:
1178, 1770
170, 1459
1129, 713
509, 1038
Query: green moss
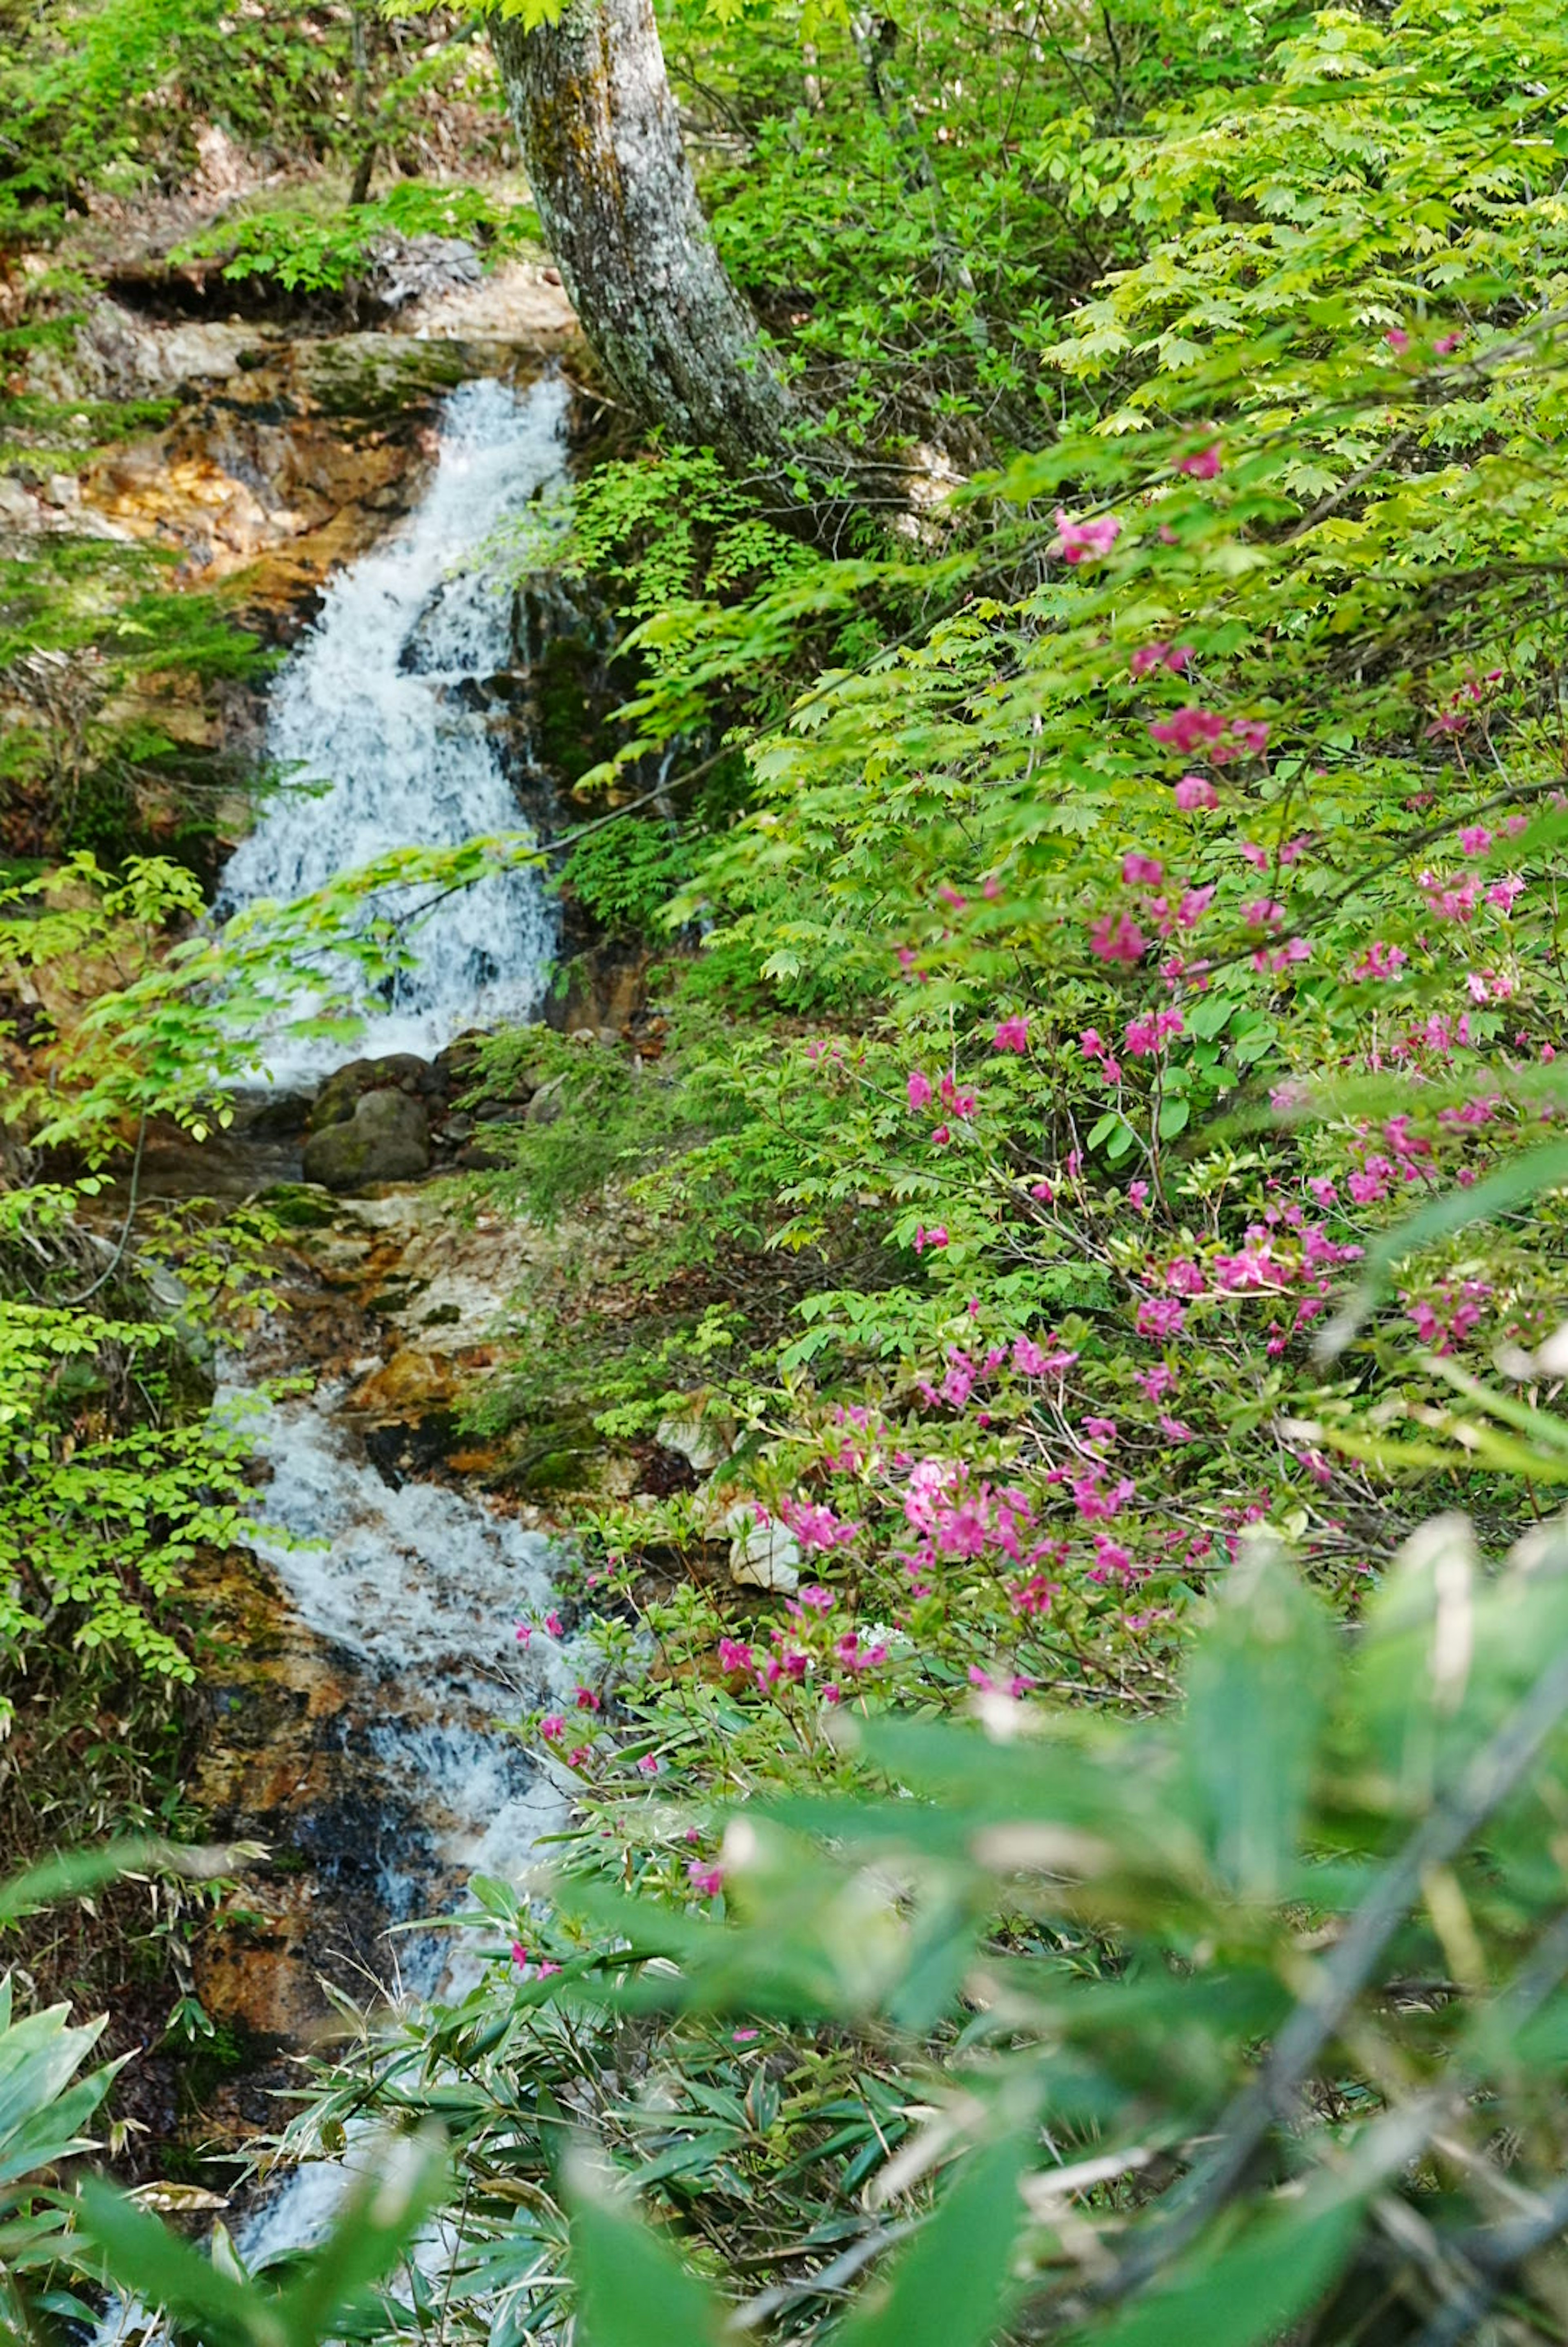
299, 1207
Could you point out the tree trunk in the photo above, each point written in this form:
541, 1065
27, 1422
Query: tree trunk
601, 140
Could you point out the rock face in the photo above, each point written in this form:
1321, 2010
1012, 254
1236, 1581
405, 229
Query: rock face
400, 1072
387, 1139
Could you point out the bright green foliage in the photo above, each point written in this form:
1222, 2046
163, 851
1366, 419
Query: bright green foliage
42, 2118
1099, 1194
1125, 1927
307, 252
112, 92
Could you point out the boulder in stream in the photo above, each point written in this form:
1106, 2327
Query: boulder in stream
387, 1139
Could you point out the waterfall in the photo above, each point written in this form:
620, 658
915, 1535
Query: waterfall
381, 714
373, 720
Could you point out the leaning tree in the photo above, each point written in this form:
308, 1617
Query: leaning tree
601, 138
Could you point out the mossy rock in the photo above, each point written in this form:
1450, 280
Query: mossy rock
300, 1207
387, 1139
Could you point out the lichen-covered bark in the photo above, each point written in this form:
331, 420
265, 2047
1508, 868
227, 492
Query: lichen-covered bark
601, 138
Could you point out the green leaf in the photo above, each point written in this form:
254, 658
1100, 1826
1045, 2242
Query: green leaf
144, 2260
1256, 1695
1252, 2290
634, 2292
952, 2289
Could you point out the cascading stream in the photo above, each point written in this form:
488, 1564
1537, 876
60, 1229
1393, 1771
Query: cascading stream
372, 720
416, 1586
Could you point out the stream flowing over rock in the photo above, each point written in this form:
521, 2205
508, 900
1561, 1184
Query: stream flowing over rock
373, 720
372, 1649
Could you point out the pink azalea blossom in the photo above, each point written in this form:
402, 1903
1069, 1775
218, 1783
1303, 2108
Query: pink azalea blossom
919, 1090
1012, 1035
1505, 894
1447, 343
553, 1727
1188, 728
935, 1237
1201, 465
648, 1765
1174, 657
1079, 541
1475, 840
735, 1655
1380, 961
940, 1136
1195, 791
706, 1879
1160, 1317
1397, 339
1116, 937
1141, 870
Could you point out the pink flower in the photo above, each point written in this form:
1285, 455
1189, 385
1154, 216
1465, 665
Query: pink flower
1100, 1430
1156, 1382
1251, 853
735, 1655
1190, 729
1195, 903
1141, 870
919, 1090
648, 1765
520, 1954
1397, 339
586, 1699
940, 1136
743, 2036
1138, 1197
1475, 840
1079, 541
951, 896
551, 1728
1174, 1429
1012, 1035
1160, 655
1505, 894
1160, 1317
1116, 937
1322, 1189
553, 1624
706, 1879
935, 1237
815, 1526
1195, 792
524, 1632
1203, 464
1380, 961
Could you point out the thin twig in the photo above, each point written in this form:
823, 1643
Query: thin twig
116, 1259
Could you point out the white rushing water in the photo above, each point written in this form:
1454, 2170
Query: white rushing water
419, 1588
375, 706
